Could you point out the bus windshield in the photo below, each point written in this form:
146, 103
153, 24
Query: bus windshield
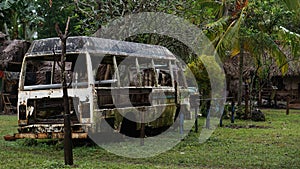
44, 72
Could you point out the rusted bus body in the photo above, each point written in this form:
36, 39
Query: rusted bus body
110, 82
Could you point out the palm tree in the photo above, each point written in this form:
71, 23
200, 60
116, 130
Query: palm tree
232, 38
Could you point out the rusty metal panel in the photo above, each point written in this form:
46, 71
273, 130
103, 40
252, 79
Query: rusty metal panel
22, 122
57, 135
79, 135
108, 47
25, 135
42, 135
49, 135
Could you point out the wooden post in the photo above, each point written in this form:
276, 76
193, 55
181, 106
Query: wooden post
247, 101
221, 120
208, 120
181, 122
232, 111
194, 102
1, 92
207, 125
196, 119
177, 103
218, 108
68, 152
288, 105
259, 103
142, 134
275, 100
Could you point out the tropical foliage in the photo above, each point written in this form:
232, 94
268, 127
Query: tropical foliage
261, 29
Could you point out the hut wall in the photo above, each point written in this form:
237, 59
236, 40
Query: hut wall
291, 83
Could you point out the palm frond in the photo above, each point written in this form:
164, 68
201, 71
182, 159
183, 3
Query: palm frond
219, 24
293, 4
289, 32
291, 40
261, 44
276, 53
216, 6
216, 29
6, 4
253, 45
231, 38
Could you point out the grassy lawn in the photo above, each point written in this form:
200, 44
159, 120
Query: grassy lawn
276, 144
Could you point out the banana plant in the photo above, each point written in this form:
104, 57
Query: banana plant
233, 35
4, 7
20, 17
291, 39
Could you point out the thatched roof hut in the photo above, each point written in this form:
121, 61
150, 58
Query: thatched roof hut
12, 54
11, 57
288, 83
2, 36
231, 68
284, 84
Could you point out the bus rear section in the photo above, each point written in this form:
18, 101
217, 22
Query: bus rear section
135, 94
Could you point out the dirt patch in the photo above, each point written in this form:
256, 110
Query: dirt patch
233, 126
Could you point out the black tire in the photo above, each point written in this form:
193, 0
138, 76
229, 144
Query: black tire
128, 127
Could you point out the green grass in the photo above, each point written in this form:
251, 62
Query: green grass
277, 145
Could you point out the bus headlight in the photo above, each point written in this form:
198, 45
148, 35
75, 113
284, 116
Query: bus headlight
22, 112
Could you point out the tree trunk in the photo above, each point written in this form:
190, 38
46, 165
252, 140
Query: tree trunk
68, 153
15, 25
24, 30
246, 101
259, 94
67, 122
240, 87
6, 31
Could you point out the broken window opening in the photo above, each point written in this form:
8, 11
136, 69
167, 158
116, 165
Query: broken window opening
45, 72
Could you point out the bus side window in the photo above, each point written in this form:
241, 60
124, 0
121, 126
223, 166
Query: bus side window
104, 72
31, 75
30, 78
164, 78
132, 78
148, 77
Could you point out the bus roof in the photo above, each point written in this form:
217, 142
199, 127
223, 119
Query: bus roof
82, 44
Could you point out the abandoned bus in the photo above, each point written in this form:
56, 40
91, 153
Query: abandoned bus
113, 86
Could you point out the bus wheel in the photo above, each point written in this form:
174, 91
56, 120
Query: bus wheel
128, 127
151, 132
